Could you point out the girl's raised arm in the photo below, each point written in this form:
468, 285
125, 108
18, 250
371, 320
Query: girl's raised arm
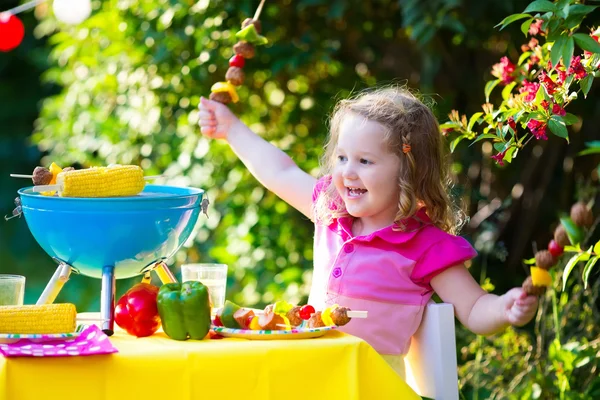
273, 168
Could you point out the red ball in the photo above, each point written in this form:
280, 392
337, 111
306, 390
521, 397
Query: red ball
12, 32
237, 61
306, 311
554, 248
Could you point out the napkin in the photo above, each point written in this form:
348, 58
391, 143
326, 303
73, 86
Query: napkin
91, 341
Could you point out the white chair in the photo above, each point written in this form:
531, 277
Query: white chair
431, 366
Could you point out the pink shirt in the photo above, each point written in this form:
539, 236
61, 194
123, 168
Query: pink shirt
386, 273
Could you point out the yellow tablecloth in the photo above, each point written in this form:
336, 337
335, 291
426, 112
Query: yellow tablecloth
335, 366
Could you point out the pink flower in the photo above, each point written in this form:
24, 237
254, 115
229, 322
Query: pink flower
576, 68
538, 128
530, 88
536, 27
562, 75
511, 123
504, 70
558, 110
499, 158
548, 83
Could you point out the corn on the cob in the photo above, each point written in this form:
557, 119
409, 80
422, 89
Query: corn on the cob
113, 181
46, 318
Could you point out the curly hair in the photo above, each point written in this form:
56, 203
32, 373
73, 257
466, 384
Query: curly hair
423, 177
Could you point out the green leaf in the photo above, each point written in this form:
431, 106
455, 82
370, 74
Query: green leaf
581, 9
557, 49
511, 153
535, 115
571, 264
525, 26
586, 84
596, 249
567, 53
589, 151
586, 42
489, 87
523, 57
587, 270
557, 126
450, 124
455, 143
593, 143
530, 261
540, 6
574, 232
507, 90
473, 119
510, 19
570, 119
484, 136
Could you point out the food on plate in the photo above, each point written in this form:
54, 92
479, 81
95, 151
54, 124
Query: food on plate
137, 311
248, 38
41, 319
281, 316
112, 181
184, 310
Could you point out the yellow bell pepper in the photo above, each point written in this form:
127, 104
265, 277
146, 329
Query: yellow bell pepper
540, 277
326, 315
55, 169
254, 324
226, 87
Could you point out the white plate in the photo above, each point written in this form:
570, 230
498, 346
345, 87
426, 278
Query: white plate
39, 337
298, 333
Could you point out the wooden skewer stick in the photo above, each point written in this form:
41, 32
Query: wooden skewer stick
357, 314
258, 10
31, 176
21, 176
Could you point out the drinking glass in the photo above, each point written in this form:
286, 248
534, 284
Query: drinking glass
12, 290
213, 276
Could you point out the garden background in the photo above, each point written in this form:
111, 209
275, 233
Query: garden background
124, 86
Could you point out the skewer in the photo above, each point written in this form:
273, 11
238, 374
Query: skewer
31, 176
259, 10
350, 313
55, 187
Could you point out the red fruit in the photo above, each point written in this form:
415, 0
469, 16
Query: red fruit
237, 61
306, 311
555, 249
137, 312
248, 321
217, 321
12, 32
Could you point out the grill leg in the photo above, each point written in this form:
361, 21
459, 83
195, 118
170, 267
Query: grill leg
107, 300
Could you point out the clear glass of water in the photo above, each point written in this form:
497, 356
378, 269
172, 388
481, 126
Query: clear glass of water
12, 290
213, 276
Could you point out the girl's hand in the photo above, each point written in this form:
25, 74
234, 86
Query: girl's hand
519, 308
215, 119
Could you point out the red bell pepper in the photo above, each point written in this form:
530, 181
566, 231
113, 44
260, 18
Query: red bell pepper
137, 312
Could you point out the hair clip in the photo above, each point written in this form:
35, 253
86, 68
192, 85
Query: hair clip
406, 148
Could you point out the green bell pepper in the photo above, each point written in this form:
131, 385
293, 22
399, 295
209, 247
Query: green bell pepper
250, 35
184, 310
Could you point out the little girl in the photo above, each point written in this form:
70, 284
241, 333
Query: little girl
383, 220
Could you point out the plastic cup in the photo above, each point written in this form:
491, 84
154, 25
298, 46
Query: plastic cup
12, 290
213, 276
